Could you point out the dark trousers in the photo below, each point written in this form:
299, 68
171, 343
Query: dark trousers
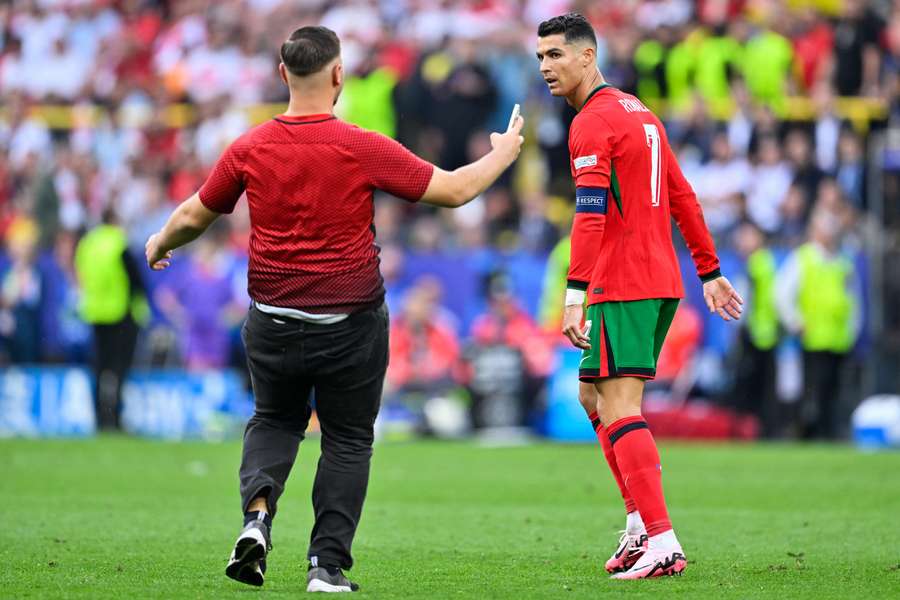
344, 365
755, 386
822, 378
114, 346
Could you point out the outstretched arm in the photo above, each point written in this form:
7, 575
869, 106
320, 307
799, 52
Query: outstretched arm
185, 224
217, 196
455, 188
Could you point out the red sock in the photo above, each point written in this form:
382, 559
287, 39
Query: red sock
630, 506
638, 461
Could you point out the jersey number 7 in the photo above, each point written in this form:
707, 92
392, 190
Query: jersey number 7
653, 142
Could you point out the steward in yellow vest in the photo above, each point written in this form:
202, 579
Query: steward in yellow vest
755, 372
818, 299
114, 302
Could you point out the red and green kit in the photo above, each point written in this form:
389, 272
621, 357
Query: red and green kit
628, 188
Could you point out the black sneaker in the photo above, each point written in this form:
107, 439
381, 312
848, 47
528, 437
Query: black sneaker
248, 559
328, 579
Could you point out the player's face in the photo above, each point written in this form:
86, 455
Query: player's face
560, 64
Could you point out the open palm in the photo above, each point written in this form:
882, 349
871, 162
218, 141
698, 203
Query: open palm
721, 297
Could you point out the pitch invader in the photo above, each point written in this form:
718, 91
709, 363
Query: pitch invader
623, 267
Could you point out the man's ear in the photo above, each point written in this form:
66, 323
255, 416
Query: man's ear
282, 70
588, 56
337, 75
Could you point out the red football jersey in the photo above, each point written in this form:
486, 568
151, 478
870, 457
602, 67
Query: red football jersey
628, 185
309, 182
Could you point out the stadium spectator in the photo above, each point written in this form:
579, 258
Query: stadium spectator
857, 58
24, 137
65, 336
199, 301
22, 294
813, 43
769, 184
506, 322
827, 129
508, 359
807, 175
464, 100
719, 183
754, 377
850, 172
818, 299
424, 348
13, 71
367, 98
767, 64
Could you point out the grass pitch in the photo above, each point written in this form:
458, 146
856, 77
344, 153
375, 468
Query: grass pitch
125, 518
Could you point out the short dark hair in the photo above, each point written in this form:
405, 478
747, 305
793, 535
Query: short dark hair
309, 49
573, 25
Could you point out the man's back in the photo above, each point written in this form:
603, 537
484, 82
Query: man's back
617, 144
309, 183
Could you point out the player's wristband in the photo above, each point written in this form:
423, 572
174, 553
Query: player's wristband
574, 297
711, 275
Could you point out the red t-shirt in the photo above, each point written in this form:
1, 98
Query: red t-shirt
309, 182
628, 186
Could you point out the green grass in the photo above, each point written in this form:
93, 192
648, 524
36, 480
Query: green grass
127, 518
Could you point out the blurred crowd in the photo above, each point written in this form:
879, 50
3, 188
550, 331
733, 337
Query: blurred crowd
127, 104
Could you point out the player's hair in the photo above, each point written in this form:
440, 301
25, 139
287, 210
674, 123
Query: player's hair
309, 49
573, 25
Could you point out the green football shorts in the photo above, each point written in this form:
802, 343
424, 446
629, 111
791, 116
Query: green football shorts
626, 338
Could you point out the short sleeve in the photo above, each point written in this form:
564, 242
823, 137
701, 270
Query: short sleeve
225, 183
589, 149
390, 167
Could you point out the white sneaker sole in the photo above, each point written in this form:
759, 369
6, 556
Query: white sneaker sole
243, 565
317, 585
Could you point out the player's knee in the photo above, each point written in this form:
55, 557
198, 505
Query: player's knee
618, 406
347, 453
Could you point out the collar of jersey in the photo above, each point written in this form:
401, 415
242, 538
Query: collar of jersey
304, 119
594, 93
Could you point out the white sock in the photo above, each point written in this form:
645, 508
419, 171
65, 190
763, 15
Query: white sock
664, 541
634, 525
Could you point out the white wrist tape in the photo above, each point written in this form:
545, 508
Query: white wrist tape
574, 297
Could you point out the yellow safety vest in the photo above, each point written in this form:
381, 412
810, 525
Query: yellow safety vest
106, 294
762, 317
825, 302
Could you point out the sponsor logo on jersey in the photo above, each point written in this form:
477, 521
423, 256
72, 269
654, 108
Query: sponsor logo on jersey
633, 105
591, 200
585, 161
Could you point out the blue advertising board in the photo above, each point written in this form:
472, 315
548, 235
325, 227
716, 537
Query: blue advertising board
565, 419
46, 401
172, 404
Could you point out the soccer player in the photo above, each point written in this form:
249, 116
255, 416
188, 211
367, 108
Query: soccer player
628, 186
318, 321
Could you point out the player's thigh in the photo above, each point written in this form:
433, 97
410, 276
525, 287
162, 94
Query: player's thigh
625, 352
667, 309
588, 396
623, 339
